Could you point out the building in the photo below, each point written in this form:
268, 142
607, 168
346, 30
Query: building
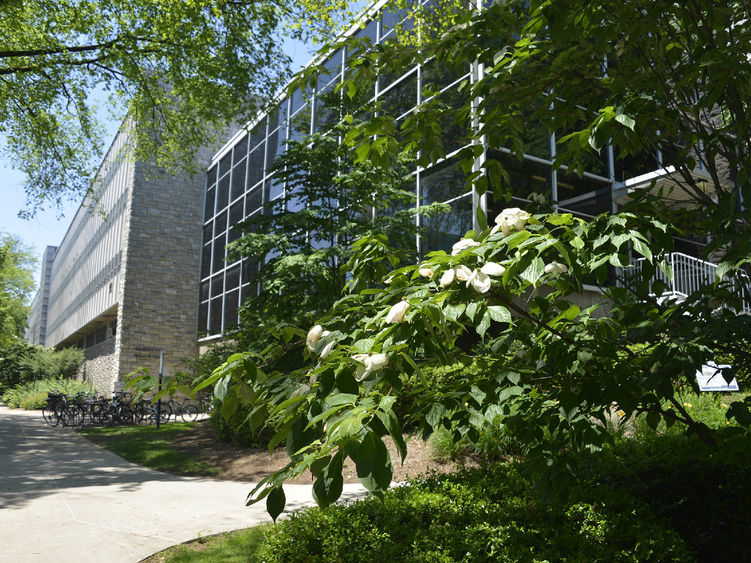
37, 323
122, 284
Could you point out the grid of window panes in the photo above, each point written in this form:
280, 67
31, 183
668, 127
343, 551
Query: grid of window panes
238, 183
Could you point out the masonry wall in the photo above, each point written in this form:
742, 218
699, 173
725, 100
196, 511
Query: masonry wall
159, 296
100, 365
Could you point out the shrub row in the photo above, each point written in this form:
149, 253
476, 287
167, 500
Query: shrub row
478, 515
33, 394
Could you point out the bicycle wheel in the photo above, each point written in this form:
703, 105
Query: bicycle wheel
189, 413
71, 416
50, 416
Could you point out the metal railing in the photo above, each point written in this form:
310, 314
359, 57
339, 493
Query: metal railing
689, 274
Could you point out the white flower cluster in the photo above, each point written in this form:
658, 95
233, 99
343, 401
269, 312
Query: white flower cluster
314, 337
368, 363
479, 279
510, 219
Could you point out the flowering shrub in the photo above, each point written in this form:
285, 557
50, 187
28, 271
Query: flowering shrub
552, 371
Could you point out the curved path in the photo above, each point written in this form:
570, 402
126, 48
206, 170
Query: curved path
64, 499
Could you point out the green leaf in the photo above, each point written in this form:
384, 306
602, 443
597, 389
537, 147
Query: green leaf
363, 346
328, 487
484, 324
624, 119
499, 313
373, 464
534, 271
275, 502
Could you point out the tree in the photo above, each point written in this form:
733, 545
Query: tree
676, 85
182, 70
16, 284
301, 245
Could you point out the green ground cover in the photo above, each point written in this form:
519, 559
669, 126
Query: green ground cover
655, 495
147, 446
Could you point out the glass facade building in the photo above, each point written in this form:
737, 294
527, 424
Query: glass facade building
238, 182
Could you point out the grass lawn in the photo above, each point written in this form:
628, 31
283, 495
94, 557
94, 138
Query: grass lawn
240, 546
152, 448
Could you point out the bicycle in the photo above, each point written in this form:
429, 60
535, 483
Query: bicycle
186, 411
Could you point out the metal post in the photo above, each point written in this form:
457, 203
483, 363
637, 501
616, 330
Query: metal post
159, 401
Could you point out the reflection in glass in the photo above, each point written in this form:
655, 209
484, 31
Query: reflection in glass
445, 229
442, 182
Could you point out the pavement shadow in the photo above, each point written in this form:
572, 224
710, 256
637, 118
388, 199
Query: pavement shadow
37, 460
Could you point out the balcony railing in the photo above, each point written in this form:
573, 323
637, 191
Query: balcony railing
690, 274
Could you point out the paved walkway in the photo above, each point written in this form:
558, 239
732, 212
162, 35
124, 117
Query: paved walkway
64, 499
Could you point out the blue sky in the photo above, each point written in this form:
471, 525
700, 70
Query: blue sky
49, 227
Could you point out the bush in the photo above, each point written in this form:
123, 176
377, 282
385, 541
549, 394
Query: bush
21, 362
29, 393
477, 515
33, 401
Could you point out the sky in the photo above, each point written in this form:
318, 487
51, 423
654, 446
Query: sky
49, 227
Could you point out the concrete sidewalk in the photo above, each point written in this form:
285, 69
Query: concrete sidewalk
63, 499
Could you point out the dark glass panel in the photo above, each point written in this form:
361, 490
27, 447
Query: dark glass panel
254, 200
215, 316
232, 278
524, 176
218, 256
631, 166
211, 177
231, 303
217, 286
571, 185
222, 194
442, 182
208, 232
238, 180
208, 211
203, 317
249, 270
255, 166
225, 164
220, 224
445, 229
206, 261
300, 124
595, 203
401, 98
204, 291
258, 134
240, 150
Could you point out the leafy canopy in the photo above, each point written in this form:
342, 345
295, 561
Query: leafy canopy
183, 70
16, 284
552, 372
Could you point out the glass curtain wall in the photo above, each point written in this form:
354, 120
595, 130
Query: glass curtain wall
238, 183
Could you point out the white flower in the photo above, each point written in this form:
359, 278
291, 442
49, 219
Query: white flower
396, 313
480, 281
425, 272
447, 278
537, 197
388, 280
510, 219
462, 273
370, 363
463, 244
493, 269
555, 269
327, 350
314, 335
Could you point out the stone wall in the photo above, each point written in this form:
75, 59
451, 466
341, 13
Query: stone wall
100, 365
159, 298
